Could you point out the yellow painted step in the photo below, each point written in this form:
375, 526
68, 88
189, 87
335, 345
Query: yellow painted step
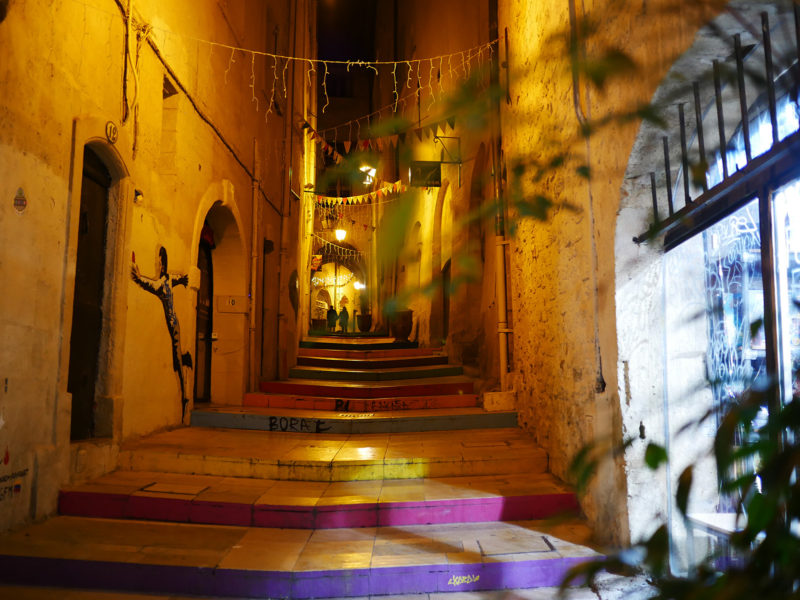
321, 457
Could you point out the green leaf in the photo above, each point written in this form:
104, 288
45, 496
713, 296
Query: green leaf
684, 487
655, 455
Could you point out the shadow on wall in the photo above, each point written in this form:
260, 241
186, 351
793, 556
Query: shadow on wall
3, 10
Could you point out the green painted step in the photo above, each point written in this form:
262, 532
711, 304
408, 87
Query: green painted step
375, 374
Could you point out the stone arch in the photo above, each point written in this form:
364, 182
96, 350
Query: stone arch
107, 141
231, 307
640, 268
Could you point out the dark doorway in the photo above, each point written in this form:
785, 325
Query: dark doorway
202, 351
446, 300
87, 304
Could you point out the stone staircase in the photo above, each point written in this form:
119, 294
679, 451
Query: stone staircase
371, 471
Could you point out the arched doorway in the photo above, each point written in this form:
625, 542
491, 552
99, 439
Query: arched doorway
229, 306
87, 307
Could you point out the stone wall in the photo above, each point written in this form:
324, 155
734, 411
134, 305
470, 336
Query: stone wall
175, 159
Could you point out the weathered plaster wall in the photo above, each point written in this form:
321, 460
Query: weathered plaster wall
66, 63
569, 367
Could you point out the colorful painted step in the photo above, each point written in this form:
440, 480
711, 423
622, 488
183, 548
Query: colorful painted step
332, 457
387, 374
370, 362
440, 386
359, 405
356, 344
319, 421
346, 352
314, 505
214, 560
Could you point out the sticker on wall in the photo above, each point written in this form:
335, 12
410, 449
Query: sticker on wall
20, 201
161, 287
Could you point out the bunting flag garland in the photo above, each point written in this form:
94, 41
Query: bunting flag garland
331, 248
392, 188
374, 143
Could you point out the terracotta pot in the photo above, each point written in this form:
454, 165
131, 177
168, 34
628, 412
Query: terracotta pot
364, 322
400, 325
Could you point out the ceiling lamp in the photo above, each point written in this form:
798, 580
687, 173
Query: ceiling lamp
340, 235
369, 174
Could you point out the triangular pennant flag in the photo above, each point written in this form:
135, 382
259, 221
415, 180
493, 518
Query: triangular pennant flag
394, 139
379, 142
436, 127
347, 144
452, 122
429, 131
418, 133
402, 137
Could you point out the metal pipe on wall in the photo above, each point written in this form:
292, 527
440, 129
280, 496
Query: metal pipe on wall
254, 216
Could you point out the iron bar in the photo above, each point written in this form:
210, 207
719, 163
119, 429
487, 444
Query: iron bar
669, 176
684, 155
720, 120
737, 44
773, 105
655, 197
796, 7
701, 144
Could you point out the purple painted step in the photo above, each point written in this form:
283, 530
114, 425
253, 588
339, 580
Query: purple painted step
372, 389
251, 583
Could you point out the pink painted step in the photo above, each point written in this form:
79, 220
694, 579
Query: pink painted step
372, 389
249, 503
359, 405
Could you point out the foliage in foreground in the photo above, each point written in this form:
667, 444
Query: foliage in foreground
765, 547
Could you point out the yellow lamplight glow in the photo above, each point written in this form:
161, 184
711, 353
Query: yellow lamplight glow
340, 234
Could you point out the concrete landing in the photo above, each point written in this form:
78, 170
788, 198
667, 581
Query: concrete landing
332, 457
383, 374
144, 556
317, 505
368, 362
331, 421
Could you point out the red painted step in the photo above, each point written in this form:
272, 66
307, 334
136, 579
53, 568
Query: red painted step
361, 354
360, 404
373, 389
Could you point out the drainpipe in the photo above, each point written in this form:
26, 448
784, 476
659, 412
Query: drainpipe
500, 239
256, 184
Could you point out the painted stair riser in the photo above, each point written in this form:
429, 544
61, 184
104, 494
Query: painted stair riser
213, 581
356, 405
357, 346
372, 514
365, 354
226, 466
352, 425
394, 391
376, 375
361, 364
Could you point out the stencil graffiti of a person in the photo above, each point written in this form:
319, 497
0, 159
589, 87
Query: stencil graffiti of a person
161, 287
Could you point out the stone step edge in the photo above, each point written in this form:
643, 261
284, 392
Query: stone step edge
142, 459
356, 405
371, 363
157, 507
365, 354
349, 423
399, 375
252, 583
327, 388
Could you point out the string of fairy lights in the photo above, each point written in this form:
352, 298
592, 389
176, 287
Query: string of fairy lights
422, 75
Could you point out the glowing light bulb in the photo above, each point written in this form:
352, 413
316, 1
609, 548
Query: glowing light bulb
340, 235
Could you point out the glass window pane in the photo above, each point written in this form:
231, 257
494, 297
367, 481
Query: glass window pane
713, 294
786, 202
